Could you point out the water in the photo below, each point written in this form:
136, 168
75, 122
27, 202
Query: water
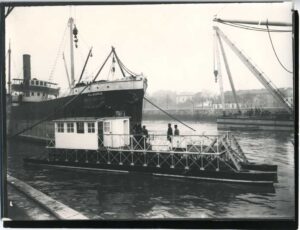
133, 196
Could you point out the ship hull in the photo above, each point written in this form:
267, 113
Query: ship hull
248, 177
95, 104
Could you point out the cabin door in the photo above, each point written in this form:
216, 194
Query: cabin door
100, 134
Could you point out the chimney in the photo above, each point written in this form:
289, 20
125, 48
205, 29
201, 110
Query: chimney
26, 67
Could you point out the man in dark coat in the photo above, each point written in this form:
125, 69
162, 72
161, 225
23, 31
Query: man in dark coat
176, 131
169, 132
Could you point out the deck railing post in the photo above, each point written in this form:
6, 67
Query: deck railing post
201, 166
217, 144
132, 164
97, 157
172, 160
201, 146
158, 166
76, 159
86, 157
218, 164
145, 159
186, 161
120, 161
56, 156
108, 157
227, 138
66, 159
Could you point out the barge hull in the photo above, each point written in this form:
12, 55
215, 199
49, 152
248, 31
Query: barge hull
255, 124
249, 177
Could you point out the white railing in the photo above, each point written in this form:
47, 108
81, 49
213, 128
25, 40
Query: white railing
182, 152
204, 144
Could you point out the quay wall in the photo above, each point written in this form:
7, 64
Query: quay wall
56, 208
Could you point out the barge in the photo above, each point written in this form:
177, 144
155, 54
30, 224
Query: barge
254, 123
107, 144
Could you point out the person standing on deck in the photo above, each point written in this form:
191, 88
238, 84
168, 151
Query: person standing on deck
145, 136
145, 131
169, 133
176, 131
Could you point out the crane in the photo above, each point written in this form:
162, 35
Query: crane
260, 75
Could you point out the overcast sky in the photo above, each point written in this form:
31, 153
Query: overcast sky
170, 44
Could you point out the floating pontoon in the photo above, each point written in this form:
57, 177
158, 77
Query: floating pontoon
106, 144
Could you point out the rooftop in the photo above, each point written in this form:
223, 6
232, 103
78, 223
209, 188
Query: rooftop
74, 119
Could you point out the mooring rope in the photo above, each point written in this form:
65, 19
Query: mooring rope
156, 106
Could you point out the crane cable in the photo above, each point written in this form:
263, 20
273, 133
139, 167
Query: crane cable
261, 30
275, 51
241, 26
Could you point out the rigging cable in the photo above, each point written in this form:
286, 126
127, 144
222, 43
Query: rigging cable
110, 70
127, 70
168, 113
85, 64
62, 43
275, 51
61, 108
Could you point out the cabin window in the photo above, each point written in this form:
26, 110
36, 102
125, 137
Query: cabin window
41, 83
91, 127
38, 94
27, 94
44, 94
70, 127
106, 126
32, 93
31, 82
80, 127
60, 127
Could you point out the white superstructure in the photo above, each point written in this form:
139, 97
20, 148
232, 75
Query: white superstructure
91, 133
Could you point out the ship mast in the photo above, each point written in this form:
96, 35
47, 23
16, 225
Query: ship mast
71, 23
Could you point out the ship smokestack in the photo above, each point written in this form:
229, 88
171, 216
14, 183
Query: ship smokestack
26, 68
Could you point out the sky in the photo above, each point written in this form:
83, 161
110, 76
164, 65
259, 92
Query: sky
172, 45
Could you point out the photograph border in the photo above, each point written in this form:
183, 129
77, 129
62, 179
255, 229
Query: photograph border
151, 223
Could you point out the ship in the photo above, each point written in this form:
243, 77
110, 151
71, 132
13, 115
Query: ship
280, 121
34, 103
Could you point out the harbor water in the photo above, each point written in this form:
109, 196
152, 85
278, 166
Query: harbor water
137, 196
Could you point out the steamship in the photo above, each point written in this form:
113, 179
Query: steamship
35, 103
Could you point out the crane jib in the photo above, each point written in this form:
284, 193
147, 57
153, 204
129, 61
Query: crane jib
264, 80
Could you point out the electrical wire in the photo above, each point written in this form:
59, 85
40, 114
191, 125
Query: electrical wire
275, 51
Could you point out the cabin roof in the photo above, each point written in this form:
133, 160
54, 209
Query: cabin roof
86, 119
